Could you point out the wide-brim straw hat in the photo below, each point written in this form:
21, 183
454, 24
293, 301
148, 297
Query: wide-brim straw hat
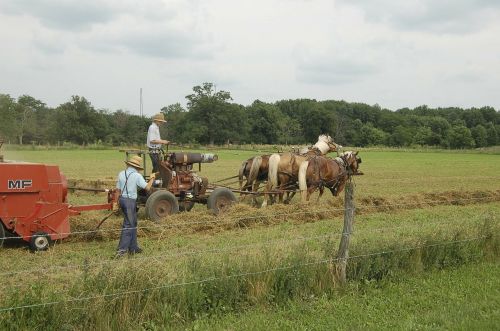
159, 117
135, 161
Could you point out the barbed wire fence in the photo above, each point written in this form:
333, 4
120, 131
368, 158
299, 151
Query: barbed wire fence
340, 261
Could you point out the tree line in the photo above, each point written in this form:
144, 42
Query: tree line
211, 117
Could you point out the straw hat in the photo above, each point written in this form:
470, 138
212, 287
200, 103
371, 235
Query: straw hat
159, 117
135, 161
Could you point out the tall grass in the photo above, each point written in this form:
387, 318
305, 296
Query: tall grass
150, 295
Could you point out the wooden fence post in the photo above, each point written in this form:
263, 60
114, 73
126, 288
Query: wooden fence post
343, 252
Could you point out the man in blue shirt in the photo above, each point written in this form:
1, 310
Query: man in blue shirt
128, 181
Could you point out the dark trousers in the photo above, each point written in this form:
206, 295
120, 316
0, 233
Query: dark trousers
128, 237
155, 160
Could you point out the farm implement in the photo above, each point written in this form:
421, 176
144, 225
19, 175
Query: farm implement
34, 197
34, 203
179, 187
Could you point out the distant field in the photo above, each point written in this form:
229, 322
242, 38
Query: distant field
387, 173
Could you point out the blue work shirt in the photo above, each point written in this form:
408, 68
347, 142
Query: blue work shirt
135, 180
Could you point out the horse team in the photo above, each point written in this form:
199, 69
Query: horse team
307, 170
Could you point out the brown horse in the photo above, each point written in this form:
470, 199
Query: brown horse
320, 172
255, 171
284, 168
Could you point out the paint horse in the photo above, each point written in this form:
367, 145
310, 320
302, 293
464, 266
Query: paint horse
284, 168
320, 172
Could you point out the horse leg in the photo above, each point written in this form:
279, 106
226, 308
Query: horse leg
272, 176
321, 190
341, 186
282, 180
309, 192
255, 188
289, 196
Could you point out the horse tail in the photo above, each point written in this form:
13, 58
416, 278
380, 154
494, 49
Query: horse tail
241, 173
303, 181
254, 170
274, 161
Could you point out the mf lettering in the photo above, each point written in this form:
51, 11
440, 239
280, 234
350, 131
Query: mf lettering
19, 184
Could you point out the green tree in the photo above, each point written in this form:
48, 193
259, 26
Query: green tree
33, 119
425, 136
8, 124
291, 131
209, 109
439, 127
177, 128
472, 117
267, 122
76, 121
371, 136
353, 134
459, 136
492, 134
480, 136
318, 121
402, 136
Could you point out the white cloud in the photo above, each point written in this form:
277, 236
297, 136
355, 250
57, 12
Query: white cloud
388, 52
444, 16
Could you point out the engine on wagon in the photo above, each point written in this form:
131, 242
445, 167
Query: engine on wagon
179, 187
178, 177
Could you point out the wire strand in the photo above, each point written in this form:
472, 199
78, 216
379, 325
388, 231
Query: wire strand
210, 279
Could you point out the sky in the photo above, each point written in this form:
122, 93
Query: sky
392, 53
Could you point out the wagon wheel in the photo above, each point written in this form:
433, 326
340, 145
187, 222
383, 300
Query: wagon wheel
186, 205
40, 241
160, 204
220, 199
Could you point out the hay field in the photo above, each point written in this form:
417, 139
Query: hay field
446, 204
388, 174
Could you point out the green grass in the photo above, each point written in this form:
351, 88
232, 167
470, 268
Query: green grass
380, 286
436, 232
465, 298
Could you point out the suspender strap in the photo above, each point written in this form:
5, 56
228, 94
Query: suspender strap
125, 187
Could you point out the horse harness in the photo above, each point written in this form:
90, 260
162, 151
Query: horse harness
326, 183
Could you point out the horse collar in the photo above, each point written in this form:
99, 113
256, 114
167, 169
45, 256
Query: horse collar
341, 161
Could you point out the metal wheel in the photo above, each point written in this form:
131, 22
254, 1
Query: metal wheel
40, 241
160, 204
220, 199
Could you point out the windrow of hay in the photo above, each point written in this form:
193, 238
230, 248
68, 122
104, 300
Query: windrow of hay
244, 216
98, 184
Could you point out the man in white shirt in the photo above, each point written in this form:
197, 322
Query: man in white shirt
154, 140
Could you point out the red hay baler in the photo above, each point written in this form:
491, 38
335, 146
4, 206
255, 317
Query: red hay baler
34, 203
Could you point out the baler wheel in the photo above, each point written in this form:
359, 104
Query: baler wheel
220, 199
2, 234
160, 204
40, 241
